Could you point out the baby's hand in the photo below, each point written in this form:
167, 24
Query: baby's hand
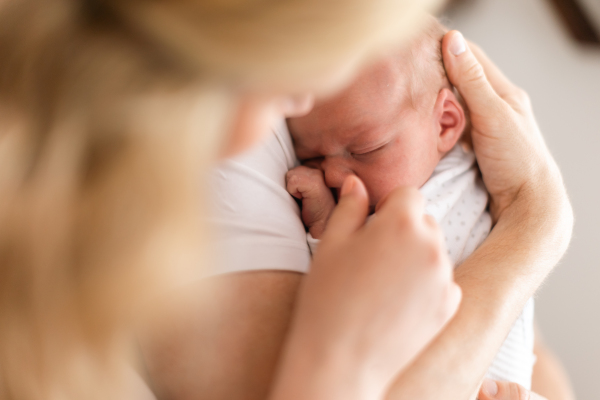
308, 185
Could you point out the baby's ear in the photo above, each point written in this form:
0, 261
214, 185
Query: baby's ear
451, 119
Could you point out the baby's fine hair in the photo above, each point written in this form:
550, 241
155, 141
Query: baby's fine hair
424, 55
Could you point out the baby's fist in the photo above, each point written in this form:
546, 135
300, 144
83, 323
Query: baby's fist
308, 185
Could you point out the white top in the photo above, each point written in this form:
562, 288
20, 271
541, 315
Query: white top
456, 198
255, 221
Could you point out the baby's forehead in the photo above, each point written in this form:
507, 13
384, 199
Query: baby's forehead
382, 90
407, 79
355, 121
377, 95
383, 85
399, 79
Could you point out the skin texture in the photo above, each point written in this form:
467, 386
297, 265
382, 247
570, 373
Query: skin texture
531, 221
234, 342
494, 390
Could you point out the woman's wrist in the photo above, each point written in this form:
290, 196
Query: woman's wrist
540, 216
312, 369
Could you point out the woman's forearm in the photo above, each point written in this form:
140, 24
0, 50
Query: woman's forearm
496, 280
308, 371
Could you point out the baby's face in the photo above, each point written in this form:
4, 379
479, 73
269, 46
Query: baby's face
374, 130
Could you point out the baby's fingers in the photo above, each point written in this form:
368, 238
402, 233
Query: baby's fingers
303, 182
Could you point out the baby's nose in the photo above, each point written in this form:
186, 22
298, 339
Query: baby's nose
335, 172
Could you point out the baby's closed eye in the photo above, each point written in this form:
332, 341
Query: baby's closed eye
368, 151
314, 162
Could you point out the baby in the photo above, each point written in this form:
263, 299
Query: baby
400, 124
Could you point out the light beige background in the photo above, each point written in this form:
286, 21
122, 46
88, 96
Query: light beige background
525, 38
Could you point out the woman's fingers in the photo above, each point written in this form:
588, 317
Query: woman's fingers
508, 145
405, 208
452, 301
500, 83
468, 75
402, 202
496, 390
398, 255
351, 211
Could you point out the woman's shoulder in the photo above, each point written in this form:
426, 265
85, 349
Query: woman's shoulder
269, 160
255, 221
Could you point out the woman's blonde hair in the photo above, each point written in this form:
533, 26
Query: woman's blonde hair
110, 110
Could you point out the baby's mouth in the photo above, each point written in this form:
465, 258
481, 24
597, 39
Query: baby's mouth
336, 194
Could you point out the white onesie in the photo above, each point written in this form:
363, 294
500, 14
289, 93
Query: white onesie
457, 199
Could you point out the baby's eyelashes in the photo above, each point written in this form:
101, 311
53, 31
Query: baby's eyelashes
367, 152
314, 162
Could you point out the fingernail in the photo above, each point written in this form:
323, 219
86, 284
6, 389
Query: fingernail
490, 387
458, 45
348, 185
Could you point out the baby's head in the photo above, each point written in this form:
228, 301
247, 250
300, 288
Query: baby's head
391, 127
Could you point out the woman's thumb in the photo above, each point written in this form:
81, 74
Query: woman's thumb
468, 75
496, 390
351, 211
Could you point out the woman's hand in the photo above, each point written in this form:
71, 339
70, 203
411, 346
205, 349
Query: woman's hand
509, 146
376, 295
496, 390
533, 226
518, 171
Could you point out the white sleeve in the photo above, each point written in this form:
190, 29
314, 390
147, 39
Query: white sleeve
256, 224
313, 243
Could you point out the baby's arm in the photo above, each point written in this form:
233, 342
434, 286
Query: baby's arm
308, 185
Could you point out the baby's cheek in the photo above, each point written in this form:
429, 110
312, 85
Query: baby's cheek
381, 183
377, 188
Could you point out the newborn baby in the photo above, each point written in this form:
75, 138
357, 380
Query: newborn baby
400, 124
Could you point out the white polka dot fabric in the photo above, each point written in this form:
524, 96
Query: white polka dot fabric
456, 198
